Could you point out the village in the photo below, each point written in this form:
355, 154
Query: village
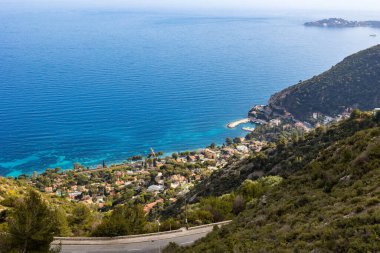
153, 182
156, 181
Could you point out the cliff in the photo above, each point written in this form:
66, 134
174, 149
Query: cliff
352, 83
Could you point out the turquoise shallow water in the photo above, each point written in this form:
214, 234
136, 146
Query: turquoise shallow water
87, 86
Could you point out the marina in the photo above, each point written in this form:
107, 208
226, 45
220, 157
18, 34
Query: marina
236, 123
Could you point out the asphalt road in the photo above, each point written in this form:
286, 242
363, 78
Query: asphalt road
148, 244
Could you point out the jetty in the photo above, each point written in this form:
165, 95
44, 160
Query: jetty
238, 122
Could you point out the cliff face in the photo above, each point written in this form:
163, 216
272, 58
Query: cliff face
352, 83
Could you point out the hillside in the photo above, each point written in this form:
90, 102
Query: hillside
283, 159
329, 202
352, 83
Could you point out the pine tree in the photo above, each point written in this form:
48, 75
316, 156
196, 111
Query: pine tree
32, 224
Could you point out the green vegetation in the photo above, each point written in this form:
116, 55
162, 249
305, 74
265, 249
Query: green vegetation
31, 225
328, 200
352, 83
124, 220
282, 158
215, 209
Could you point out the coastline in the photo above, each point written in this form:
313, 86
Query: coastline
96, 166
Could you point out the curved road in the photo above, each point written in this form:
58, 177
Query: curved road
137, 244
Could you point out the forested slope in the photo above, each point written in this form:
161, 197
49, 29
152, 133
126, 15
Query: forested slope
328, 203
352, 83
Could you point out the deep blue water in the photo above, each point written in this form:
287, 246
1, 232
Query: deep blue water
87, 86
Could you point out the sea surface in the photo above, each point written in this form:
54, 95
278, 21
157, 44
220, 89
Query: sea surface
87, 86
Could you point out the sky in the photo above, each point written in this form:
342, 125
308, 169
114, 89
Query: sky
204, 5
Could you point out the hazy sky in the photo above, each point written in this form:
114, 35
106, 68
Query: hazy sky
245, 5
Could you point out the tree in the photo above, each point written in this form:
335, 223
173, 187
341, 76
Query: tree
282, 142
228, 141
81, 219
237, 140
172, 248
212, 145
124, 220
220, 208
32, 224
377, 117
295, 137
238, 205
355, 114
35, 175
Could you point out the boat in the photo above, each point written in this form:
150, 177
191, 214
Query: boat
373, 35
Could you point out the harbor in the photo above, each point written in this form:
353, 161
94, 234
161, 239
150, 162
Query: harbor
236, 123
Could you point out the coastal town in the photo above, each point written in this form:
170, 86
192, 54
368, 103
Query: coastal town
153, 181
156, 181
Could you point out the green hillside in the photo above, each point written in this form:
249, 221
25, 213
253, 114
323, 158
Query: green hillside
282, 159
352, 83
329, 200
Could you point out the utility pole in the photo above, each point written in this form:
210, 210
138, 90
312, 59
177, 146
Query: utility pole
187, 225
158, 225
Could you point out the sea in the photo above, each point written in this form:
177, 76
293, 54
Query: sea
94, 85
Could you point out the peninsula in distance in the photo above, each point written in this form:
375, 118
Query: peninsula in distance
342, 23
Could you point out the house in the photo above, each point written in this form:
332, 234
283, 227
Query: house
155, 188
274, 122
177, 180
201, 157
257, 145
174, 185
243, 149
181, 160
327, 120
228, 151
210, 154
149, 206
81, 188
158, 178
48, 189
191, 158
73, 195
119, 182
301, 125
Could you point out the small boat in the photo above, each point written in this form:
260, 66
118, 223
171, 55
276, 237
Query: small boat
373, 35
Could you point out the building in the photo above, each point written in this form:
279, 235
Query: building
243, 149
155, 188
210, 154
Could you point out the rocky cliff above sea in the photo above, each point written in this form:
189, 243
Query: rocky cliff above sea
354, 83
